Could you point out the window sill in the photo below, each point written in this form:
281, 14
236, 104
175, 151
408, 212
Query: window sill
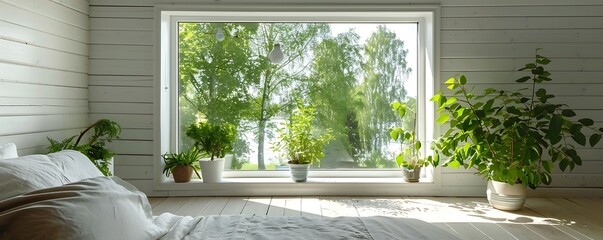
285, 186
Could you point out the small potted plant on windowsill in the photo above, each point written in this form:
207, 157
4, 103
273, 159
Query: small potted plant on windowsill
513, 138
300, 144
409, 158
215, 140
181, 165
94, 148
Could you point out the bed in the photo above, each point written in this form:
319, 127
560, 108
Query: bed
63, 196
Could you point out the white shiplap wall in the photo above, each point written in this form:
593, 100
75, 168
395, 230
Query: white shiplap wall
43, 71
486, 41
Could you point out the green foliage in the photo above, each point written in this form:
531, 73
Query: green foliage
385, 71
184, 158
298, 142
94, 148
213, 139
511, 136
410, 155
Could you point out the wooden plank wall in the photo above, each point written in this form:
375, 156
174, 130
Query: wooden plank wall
43, 71
487, 41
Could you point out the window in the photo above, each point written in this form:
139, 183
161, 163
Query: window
349, 66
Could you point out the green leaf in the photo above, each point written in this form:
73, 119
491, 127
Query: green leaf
466, 148
454, 164
394, 134
396, 104
594, 139
400, 159
543, 60
579, 138
568, 113
548, 166
450, 81
546, 178
418, 145
555, 127
523, 79
586, 122
450, 101
541, 92
563, 164
463, 80
443, 118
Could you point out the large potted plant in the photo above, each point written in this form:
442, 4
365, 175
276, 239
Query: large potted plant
513, 138
300, 144
409, 158
215, 140
94, 148
181, 165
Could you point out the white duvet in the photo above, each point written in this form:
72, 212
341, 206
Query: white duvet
109, 208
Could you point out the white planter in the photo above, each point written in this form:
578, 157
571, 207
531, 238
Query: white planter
299, 172
505, 196
211, 171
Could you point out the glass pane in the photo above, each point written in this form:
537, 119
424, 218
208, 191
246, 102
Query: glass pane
350, 73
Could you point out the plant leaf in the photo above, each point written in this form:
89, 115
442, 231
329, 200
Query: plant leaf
568, 113
555, 127
523, 79
443, 118
463, 80
586, 121
594, 139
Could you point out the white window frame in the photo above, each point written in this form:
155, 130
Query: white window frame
167, 110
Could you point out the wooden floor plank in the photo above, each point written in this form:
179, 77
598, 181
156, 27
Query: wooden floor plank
558, 215
383, 206
156, 200
468, 218
277, 206
194, 206
519, 231
310, 207
215, 207
447, 228
170, 205
257, 206
234, 206
292, 206
338, 206
467, 231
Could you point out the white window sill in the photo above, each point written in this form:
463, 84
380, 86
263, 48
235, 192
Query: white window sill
285, 186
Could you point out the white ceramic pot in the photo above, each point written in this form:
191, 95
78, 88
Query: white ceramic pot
505, 196
211, 171
299, 172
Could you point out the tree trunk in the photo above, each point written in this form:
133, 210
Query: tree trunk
262, 124
261, 137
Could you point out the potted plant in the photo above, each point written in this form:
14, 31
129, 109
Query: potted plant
513, 138
300, 144
94, 148
409, 158
181, 165
215, 140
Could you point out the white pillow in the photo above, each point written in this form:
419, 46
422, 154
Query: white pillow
75, 165
94, 208
28, 173
8, 150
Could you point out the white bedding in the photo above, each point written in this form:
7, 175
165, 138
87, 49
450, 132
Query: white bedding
110, 208
285, 228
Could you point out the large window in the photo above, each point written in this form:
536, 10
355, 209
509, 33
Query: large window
350, 68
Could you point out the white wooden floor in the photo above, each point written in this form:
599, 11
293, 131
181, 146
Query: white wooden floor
468, 218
